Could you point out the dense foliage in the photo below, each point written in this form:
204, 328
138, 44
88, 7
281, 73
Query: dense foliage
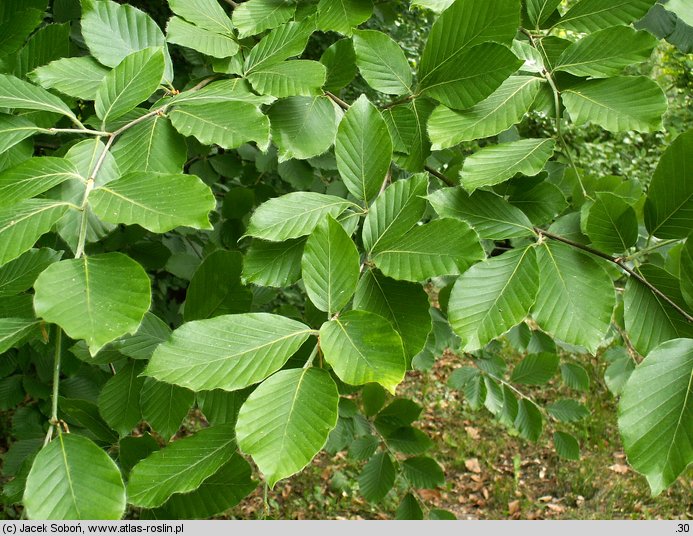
260, 218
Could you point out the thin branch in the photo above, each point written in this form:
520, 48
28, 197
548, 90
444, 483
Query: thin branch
204, 82
343, 105
54, 422
438, 175
54, 131
621, 264
397, 102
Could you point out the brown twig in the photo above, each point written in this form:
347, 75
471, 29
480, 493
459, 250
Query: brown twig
343, 105
438, 175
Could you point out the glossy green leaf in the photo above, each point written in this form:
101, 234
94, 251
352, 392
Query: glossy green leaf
96, 298
655, 413
683, 10
227, 124
33, 177
281, 43
423, 473
502, 109
607, 52
289, 78
575, 376
13, 130
343, 15
540, 10
233, 90
207, 42
493, 296
621, 366
293, 215
669, 204
567, 410
595, 15
330, 266
409, 508
215, 288
535, 369
227, 352
220, 406
685, 271
576, 296
419, 254
255, 16
474, 75
382, 62
23, 223
611, 223
567, 447
363, 149
490, 215
286, 420
14, 331
273, 264
498, 163
618, 103
207, 14
409, 441
340, 61
20, 274
529, 422
16, 93
48, 43
72, 478
164, 406
78, 77
119, 400
377, 477
303, 127
152, 332
363, 347
180, 467
152, 145
156, 201
15, 29
405, 305
409, 120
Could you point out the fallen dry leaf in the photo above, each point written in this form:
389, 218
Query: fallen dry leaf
472, 432
619, 468
514, 507
472, 465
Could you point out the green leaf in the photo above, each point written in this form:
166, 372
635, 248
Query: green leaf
567, 410
119, 400
227, 124
394, 212
24, 223
405, 305
15, 29
498, 163
13, 331
436, 514
419, 254
685, 271
205, 41
593, 15
649, 320
303, 127
233, 90
535, 369
413, 117
363, 149
156, 201
206, 14
606, 53
286, 420
382, 62
340, 61
343, 15
49, 43
86, 414
255, 16
409, 508
152, 332
78, 77
13, 130
491, 216
575, 376
289, 78
540, 10
16, 93
20, 274
132, 81
293, 215
529, 422
112, 31
502, 109
618, 103
464, 24
400, 412
72, 478
97, 298
682, 10
363, 347
621, 366
164, 406
221, 491
474, 75
221, 407
281, 43
377, 477
33, 177
180, 467
611, 223
409, 441
493, 296
227, 352
655, 413
566, 446
576, 296
669, 204
330, 266
215, 288
273, 264
423, 473
152, 145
